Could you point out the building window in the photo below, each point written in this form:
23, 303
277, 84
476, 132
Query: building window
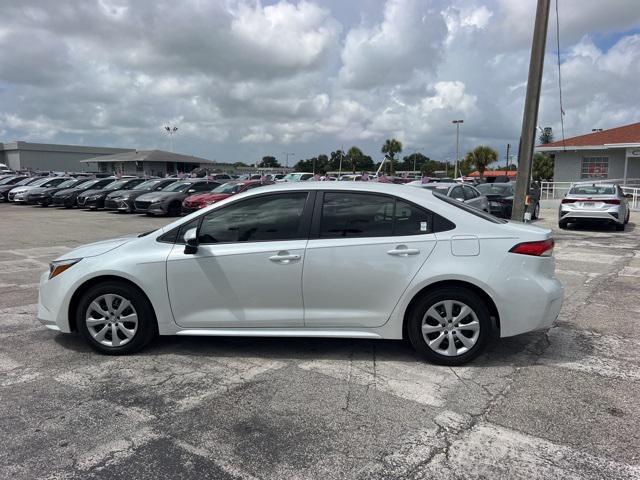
595, 167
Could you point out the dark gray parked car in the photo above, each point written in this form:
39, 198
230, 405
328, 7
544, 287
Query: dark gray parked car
123, 200
168, 201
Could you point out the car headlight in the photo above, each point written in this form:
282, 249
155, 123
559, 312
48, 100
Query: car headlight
58, 266
209, 202
93, 197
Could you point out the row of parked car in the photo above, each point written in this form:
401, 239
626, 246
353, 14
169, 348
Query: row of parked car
174, 196
159, 196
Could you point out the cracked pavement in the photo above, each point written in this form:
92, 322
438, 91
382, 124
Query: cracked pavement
556, 404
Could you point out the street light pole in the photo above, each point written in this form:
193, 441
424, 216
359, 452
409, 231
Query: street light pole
171, 130
286, 154
457, 124
531, 105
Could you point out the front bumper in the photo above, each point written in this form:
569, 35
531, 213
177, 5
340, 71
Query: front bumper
121, 205
158, 209
63, 201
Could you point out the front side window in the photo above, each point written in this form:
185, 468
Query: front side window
263, 218
457, 193
594, 167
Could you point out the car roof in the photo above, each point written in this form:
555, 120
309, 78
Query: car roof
599, 184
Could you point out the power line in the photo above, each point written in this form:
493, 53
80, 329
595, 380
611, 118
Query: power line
559, 72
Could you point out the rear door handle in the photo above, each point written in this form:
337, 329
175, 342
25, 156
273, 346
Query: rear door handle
402, 251
284, 257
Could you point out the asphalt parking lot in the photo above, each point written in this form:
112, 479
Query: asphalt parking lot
557, 404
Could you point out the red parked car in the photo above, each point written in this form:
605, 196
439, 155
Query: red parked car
201, 200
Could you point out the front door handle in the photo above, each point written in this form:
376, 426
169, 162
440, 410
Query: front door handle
284, 257
403, 251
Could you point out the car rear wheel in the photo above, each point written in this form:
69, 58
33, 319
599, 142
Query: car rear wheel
115, 318
174, 209
449, 326
620, 227
536, 212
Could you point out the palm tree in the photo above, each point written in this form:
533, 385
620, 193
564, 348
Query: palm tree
354, 155
391, 147
480, 157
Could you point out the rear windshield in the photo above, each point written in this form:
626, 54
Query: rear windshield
495, 188
468, 208
592, 190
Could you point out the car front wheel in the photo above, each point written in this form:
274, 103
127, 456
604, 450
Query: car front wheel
115, 318
449, 326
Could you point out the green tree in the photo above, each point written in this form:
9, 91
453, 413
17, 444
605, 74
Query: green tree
408, 161
542, 167
481, 157
391, 147
354, 158
269, 162
240, 164
334, 160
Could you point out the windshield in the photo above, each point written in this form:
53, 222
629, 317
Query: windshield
25, 181
495, 188
228, 188
7, 180
116, 185
90, 184
148, 185
42, 181
68, 183
293, 176
592, 190
177, 187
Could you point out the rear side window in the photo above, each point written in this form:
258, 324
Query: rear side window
356, 215
369, 215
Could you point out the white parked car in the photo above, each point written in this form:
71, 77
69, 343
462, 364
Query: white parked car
371, 260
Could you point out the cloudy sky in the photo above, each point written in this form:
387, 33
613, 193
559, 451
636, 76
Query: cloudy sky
243, 79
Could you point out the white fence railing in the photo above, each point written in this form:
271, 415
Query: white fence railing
550, 190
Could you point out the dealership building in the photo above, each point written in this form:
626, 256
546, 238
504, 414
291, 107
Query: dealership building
604, 154
50, 157
149, 162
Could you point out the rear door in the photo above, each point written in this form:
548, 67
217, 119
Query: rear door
364, 250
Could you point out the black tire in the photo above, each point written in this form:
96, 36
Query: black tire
620, 227
433, 298
628, 216
147, 327
562, 225
174, 209
536, 212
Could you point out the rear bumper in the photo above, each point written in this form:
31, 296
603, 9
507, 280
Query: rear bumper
610, 215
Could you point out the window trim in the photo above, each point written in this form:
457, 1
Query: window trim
317, 216
603, 160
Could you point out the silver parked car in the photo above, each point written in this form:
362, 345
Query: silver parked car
603, 202
465, 193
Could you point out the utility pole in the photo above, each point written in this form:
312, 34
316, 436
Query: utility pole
457, 124
531, 104
508, 147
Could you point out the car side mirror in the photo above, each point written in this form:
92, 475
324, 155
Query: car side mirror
191, 241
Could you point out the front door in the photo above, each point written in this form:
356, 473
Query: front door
247, 271
368, 249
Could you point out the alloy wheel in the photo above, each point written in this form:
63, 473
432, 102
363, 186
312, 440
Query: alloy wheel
450, 328
111, 320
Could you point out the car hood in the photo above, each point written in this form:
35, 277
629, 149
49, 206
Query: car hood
97, 248
208, 197
88, 193
67, 191
23, 188
6, 188
158, 196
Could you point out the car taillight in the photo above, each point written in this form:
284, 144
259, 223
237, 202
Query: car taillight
542, 248
613, 201
569, 200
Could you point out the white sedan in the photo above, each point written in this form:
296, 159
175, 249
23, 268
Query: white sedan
346, 259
